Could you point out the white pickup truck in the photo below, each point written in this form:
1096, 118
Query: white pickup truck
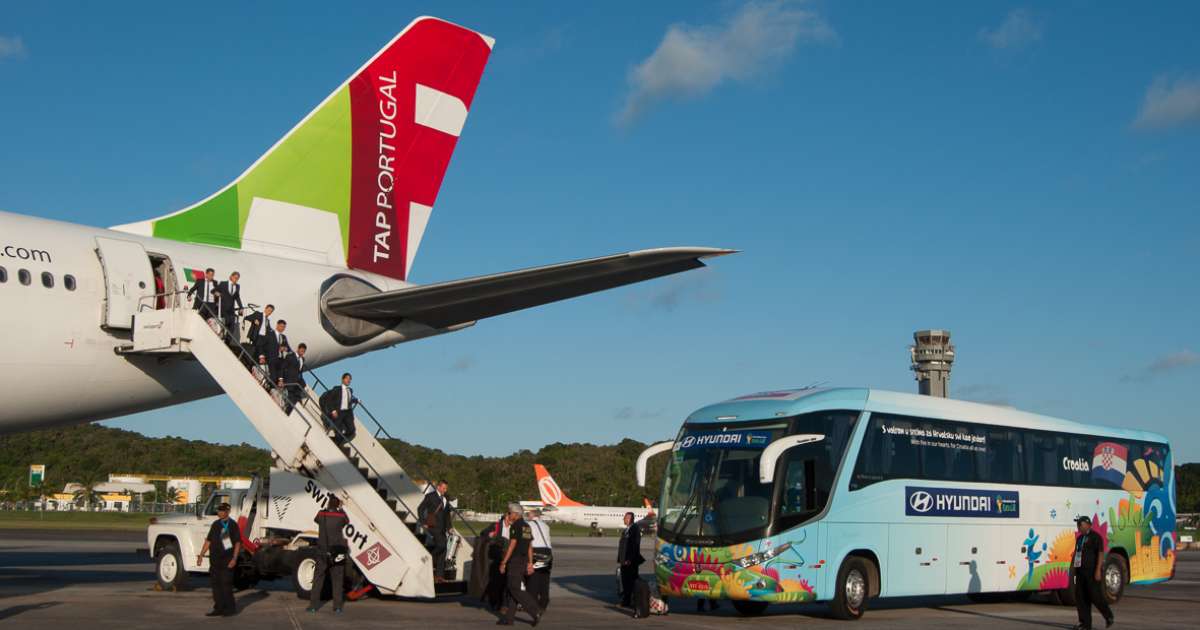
278, 535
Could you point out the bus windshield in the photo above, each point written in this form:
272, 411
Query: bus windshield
712, 495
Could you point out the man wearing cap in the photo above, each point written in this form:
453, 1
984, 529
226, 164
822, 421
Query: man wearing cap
223, 544
1087, 564
518, 563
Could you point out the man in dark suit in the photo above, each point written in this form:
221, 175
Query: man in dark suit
629, 558
434, 513
273, 348
293, 377
338, 404
206, 294
260, 325
231, 300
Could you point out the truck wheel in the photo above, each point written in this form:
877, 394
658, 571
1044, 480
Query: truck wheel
305, 573
748, 608
168, 567
851, 589
1115, 576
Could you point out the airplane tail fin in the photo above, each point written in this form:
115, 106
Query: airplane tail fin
353, 184
551, 493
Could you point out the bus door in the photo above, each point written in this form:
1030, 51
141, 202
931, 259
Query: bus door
917, 559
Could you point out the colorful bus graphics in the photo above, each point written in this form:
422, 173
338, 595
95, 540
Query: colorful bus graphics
849, 494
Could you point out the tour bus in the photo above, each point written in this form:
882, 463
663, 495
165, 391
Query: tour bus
843, 494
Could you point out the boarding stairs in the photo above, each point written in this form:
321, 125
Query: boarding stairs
378, 495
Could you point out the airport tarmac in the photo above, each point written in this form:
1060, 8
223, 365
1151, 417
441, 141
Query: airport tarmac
53, 580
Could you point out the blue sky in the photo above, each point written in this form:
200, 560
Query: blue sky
1026, 175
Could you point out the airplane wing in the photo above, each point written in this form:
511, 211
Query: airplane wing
460, 301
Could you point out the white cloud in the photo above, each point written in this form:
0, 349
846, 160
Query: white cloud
463, 363
1164, 365
1170, 102
1174, 361
12, 48
1019, 29
692, 60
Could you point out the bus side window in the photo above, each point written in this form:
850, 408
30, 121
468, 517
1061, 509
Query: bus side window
799, 493
947, 458
886, 455
1002, 461
1042, 452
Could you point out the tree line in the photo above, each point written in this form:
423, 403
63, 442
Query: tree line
87, 454
589, 473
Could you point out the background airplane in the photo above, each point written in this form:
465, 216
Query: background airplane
561, 508
325, 226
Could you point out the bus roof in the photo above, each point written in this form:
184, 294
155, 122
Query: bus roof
789, 402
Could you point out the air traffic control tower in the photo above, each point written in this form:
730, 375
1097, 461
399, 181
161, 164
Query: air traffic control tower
932, 356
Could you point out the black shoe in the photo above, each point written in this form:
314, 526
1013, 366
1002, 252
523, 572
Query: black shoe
1109, 622
504, 622
536, 619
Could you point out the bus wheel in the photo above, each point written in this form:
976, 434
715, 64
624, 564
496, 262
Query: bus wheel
1116, 575
850, 589
749, 608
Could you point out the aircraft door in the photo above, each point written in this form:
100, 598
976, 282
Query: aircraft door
127, 280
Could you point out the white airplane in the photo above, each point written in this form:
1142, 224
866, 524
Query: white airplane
325, 226
560, 508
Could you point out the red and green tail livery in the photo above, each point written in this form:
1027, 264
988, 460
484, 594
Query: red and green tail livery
354, 183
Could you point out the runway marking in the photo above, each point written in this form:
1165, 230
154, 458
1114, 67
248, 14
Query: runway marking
290, 614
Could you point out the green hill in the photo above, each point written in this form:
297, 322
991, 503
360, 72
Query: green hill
588, 473
598, 475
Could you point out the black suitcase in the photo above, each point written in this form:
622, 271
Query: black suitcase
641, 599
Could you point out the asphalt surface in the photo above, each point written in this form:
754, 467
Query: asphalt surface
72, 580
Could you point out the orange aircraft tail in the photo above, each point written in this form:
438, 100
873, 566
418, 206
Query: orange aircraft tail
548, 488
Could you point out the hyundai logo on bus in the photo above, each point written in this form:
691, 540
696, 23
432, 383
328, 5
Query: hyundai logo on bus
724, 439
958, 502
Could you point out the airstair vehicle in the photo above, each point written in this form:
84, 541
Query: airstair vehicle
379, 497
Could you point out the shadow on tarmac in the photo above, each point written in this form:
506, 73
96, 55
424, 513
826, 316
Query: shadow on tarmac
1032, 622
13, 611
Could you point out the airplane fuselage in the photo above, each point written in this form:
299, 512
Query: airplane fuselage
604, 517
59, 359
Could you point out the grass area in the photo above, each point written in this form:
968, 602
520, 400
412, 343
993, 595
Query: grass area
74, 520
560, 529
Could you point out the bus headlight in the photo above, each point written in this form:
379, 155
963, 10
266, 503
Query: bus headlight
745, 562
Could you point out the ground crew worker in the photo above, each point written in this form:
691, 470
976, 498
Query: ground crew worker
518, 563
331, 557
538, 582
1087, 564
629, 558
223, 544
